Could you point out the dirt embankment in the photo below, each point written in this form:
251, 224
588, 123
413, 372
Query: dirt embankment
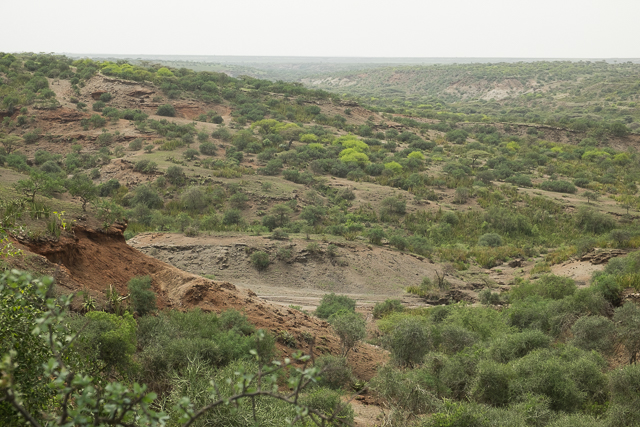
92, 259
300, 271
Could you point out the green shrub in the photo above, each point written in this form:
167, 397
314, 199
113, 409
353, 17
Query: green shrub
332, 303
491, 383
98, 106
105, 97
547, 286
381, 309
190, 154
594, 333
175, 175
336, 373
166, 110
208, 148
328, 402
109, 337
558, 186
260, 260
408, 391
136, 144
490, 239
409, 340
591, 221
350, 327
514, 346
143, 299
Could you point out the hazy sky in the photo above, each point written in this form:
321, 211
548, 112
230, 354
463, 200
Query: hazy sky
399, 28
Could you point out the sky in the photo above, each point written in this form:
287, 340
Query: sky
348, 28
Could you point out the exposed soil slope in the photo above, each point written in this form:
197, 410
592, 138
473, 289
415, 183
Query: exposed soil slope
94, 259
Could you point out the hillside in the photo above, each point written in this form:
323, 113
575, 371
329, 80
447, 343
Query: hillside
254, 200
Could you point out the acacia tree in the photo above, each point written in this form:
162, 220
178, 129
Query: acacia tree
10, 142
82, 186
39, 183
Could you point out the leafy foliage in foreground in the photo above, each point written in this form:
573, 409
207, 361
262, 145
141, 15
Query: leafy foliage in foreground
41, 345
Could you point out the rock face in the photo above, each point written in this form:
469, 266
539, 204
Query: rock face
96, 95
602, 257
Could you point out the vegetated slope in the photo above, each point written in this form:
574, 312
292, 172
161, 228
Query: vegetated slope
92, 260
556, 92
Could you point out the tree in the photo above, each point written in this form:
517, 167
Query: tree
82, 186
282, 212
10, 142
591, 195
291, 133
39, 183
350, 327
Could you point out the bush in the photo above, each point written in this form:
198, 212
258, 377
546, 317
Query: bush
547, 286
409, 340
490, 239
332, 303
350, 327
594, 333
591, 221
336, 373
381, 309
208, 148
175, 176
327, 402
232, 217
166, 110
558, 186
190, 154
98, 106
136, 144
491, 383
105, 97
145, 166
260, 260
143, 299
515, 346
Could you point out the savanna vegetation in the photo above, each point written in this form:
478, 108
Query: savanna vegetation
468, 183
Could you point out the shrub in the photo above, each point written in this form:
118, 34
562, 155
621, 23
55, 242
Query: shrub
381, 309
279, 234
591, 221
332, 303
190, 154
98, 106
515, 346
594, 333
350, 327
409, 340
175, 175
260, 260
491, 383
111, 338
336, 373
558, 186
143, 299
232, 217
105, 97
328, 402
547, 286
166, 110
136, 144
490, 239
208, 148
145, 166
